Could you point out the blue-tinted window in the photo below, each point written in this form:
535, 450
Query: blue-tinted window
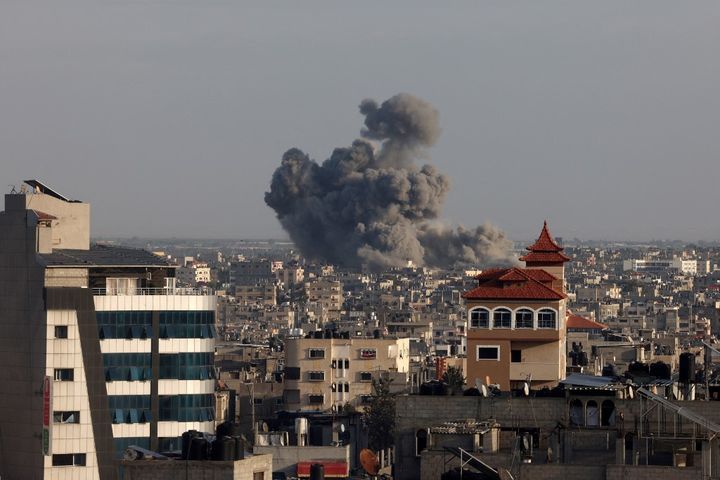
129, 408
173, 324
187, 366
131, 367
124, 324
187, 324
187, 408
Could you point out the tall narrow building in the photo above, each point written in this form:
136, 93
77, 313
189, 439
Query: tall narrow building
99, 348
516, 320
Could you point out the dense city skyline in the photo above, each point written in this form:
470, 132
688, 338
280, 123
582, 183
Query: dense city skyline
599, 117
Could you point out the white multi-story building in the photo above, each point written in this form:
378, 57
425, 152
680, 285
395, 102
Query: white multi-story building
687, 267
99, 348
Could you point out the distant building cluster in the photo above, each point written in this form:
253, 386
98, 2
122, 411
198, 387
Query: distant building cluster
579, 360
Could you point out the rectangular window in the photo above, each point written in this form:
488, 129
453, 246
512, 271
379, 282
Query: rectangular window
258, 475
368, 353
61, 331
68, 460
316, 399
258, 401
516, 356
316, 353
292, 373
316, 376
66, 417
366, 376
486, 352
64, 374
366, 399
62, 460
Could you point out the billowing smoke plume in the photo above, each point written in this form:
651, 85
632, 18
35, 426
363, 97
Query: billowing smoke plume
374, 206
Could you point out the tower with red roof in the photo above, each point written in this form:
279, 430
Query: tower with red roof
546, 254
516, 320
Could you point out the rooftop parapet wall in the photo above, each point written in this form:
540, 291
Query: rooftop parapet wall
421, 411
418, 411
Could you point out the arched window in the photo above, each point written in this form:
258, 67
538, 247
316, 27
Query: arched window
479, 318
593, 414
524, 318
607, 414
547, 318
577, 413
502, 318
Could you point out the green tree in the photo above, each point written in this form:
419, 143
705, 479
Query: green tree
454, 379
380, 416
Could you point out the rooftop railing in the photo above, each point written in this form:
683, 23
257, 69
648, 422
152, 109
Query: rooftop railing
152, 291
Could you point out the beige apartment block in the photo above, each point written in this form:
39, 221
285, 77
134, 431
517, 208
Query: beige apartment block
326, 373
260, 294
328, 293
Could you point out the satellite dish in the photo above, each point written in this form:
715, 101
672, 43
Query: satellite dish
631, 393
483, 390
526, 389
342, 428
525, 442
369, 461
264, 427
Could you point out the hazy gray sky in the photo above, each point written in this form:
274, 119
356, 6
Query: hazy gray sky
170, 116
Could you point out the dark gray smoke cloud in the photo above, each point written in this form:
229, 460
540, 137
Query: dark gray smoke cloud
374, 206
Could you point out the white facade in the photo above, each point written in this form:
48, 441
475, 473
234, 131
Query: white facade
687, 267
73, 436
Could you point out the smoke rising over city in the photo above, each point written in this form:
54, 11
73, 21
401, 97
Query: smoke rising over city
372, 204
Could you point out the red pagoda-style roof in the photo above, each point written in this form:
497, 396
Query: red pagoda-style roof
515, 284
545, 250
